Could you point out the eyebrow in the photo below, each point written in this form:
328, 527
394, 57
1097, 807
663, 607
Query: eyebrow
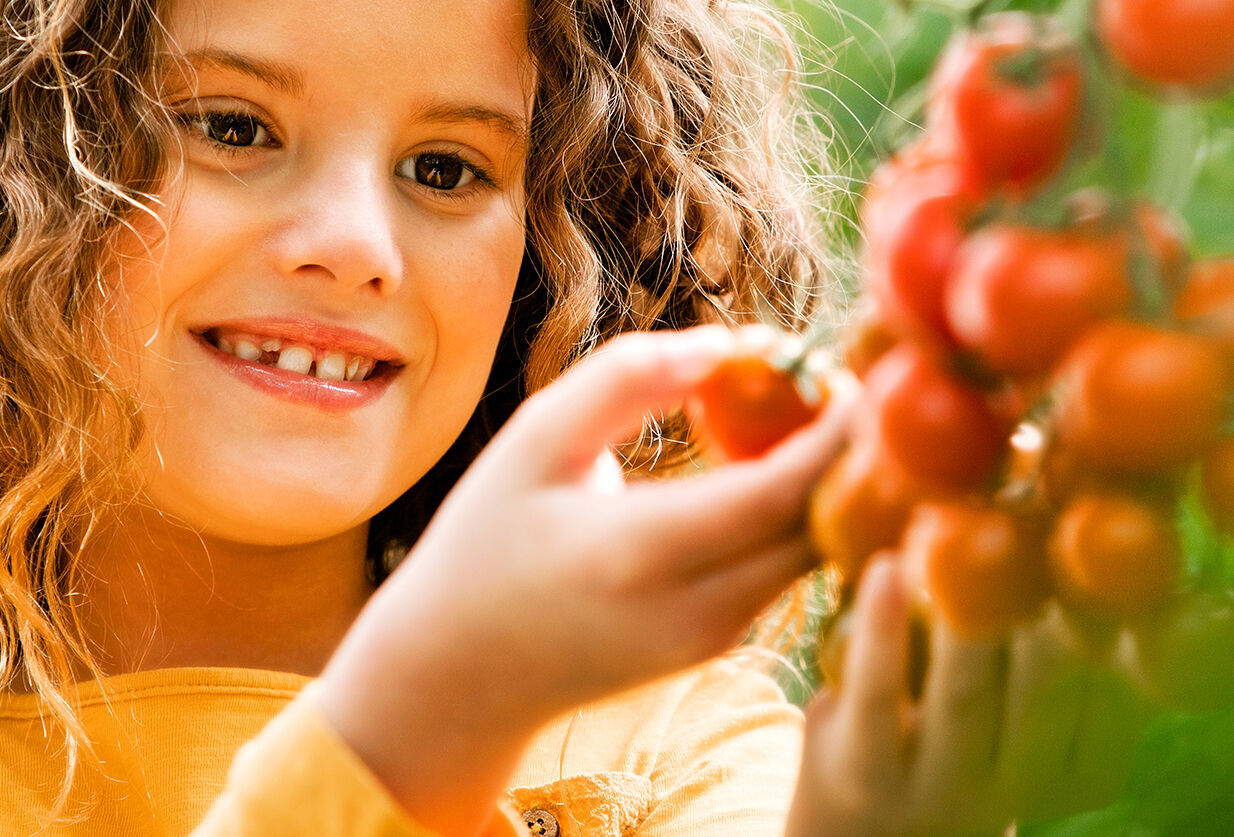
288, 79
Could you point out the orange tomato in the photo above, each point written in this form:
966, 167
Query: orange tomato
1114, 554
1205, 305
982, 569
1135, 397
859, 507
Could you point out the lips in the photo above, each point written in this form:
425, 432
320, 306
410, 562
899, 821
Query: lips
303, 361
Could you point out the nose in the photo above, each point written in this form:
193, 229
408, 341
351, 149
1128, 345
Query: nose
341, 223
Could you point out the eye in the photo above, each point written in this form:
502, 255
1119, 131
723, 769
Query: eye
233, 129
440, 171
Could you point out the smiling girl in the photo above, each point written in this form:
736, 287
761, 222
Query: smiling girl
273, 273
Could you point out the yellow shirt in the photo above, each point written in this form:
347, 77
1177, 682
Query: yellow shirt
211, 752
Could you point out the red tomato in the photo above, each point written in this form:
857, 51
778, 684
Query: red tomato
914, 218
1187, 43
1114, 554
747, 405
1008, 94
982, 569
940, 430
1019, 296
1138, 398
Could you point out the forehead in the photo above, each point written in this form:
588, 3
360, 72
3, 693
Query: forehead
475, 49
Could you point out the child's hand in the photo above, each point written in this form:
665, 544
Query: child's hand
546, 581
1016, 730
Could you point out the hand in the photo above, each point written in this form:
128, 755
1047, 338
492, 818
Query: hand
546, 581
1019, 729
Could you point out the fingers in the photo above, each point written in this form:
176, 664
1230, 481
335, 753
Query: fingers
1046, 693
960, 716
875, 688
723, 515
746, 588
602, 399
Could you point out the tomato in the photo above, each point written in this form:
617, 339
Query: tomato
859, 507
1206, 302
914, 219
1008, 95
1171, 42
940, 430
747, 405
981, 569
1217, 484
1183, 656
1114, 554
1020, 296
867, 339
1134, 397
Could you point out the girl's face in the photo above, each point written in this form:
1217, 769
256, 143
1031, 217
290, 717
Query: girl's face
343, 239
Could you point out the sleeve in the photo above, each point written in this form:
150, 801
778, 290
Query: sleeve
729, 760
299, 777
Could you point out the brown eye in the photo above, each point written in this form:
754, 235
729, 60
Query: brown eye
232, 129
441, 171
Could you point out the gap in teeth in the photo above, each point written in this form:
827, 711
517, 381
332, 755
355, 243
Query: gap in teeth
326, 364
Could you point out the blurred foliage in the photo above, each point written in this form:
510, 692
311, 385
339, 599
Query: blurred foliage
869, 61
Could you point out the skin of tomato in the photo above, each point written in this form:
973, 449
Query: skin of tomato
1114, 555
1171, 44
914, 219
1019, 296
868, 338
859, 508
1205, 305
1217, 484
1182, 656
1134, 397
1011, 131
747, 405
939, 430
981, 569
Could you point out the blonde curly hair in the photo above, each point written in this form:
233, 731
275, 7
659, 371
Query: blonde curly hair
666, 186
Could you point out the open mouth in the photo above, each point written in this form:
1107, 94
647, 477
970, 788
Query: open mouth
325, 363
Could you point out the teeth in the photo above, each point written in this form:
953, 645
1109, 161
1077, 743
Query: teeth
296, 359
332, 367
225, 345
352, 367
272, 344
245, 350
362, 369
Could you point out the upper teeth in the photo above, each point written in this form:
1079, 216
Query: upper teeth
328, 365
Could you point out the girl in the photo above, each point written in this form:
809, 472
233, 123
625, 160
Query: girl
273, 272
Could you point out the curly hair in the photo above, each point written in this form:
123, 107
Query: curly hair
666, 186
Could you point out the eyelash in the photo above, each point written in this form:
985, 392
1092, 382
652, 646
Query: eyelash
196, 120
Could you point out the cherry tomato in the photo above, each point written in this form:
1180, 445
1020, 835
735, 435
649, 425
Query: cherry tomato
1217, 484
859, 507
867, 339
1171, 43
982, 569
914, 218
1020, 296
1009, 95
1205, 304
747, 405
1134, 397
939, 429
1114, 554
1183, 656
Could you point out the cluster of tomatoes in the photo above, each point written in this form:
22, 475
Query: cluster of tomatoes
1037, 395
